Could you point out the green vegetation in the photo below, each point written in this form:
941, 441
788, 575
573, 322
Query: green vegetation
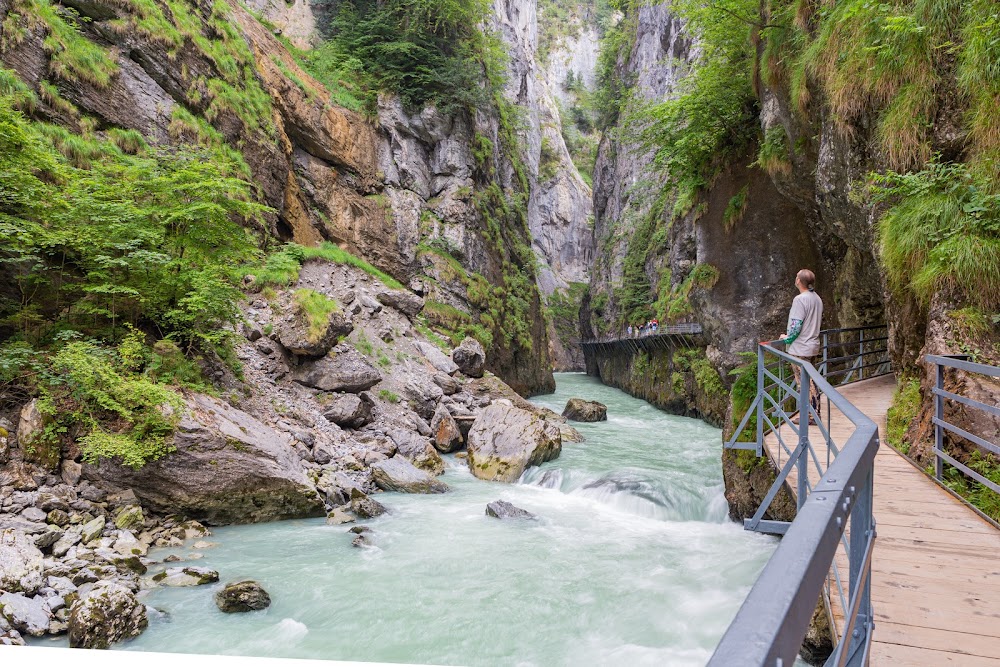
736, 207
982, 497
903, 411
363, 345
316, 308
426, 51
281, 268
563, 309
389, 396
674, 300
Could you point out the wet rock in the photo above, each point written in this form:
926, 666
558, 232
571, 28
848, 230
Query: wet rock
350, 410
470, 358
398, 474
361, 541
30, 616
501, 509
338, 516
418, 450
582, 410
404, 301
447, 436
92, 530
438, 359
228, 467
357, 530
365, 507
346, 371
505, 440
20, 563
106, 614
242, 596
295, 335
129, 518
186, 576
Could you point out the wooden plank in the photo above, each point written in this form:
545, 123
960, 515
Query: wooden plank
950, 641
900, 655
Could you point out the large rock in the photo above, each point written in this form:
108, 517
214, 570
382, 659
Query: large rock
470, 358
398, 474
242, 596
92, 529
423, 395
30, 424
447, 435
365, 507
186, 576
404, 301
20, 563
106, 614
345, 371
505, 440
437, 358
581, 410
129, 518
29, 616
501, 509
294, 334
350, 410
227, 468
418, 450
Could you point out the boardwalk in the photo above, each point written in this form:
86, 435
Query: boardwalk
935, 571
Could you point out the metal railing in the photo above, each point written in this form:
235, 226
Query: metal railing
664, 336
962, 363
834, 511
854, 353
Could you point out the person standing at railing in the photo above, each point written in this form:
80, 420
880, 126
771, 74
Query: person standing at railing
802, 335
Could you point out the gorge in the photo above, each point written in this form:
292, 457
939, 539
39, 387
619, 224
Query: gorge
273, 260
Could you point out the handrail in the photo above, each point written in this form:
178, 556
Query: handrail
962, 363
682, 329
771, 624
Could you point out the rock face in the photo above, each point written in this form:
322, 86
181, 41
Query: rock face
505, 440
345, 371
398, 474
581, 410
501, 509
227, 468
350, 410
107, 614
470, 358
20, 563
242, 596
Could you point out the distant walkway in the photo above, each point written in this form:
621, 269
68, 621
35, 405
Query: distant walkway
936, 564
665, 336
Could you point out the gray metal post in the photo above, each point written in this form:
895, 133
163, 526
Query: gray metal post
760, 399
861, 341
802, 464
939, 414
862, 529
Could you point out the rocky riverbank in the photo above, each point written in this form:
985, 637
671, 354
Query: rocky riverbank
319, 415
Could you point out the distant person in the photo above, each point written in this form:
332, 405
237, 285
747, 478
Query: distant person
630, 330
802, 335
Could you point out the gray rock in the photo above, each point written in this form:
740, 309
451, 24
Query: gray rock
582, 410
33, 514
242, 596
505, 440
71, 472
92, 529
338, 516
11, 638
347, 371
129, 518
106, 614
365, 507
30, 425
423, 395
294, 334
438, 359
470, 358
398, 474
49, 537
63, 544
228, 467
501, 509
57, 518
357, 530
447, 436
20, 563
361, 541
30, 616
418, 450
186, 576
404, 301
350, 410
448, 384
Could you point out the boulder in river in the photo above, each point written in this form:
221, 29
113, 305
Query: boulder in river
186, 576
227, 467
470, 358
365, 507
506, 440
418, 450
501, 509
398, 474
581, 410
107, 613
20, 563
242, 596
29, 616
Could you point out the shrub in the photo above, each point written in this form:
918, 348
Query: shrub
316, 308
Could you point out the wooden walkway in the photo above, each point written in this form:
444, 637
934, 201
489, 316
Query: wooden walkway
936, 564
